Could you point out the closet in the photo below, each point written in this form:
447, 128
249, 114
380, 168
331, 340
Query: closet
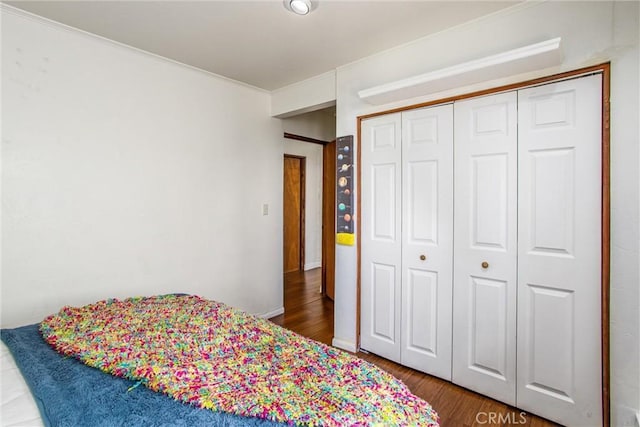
481, 245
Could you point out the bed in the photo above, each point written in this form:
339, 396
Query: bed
184, 360
17, 407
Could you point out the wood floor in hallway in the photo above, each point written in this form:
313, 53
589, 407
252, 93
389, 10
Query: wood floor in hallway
308, 313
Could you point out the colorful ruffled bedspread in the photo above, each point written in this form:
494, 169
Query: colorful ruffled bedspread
210, 355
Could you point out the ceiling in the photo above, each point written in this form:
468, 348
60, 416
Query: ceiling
259, 42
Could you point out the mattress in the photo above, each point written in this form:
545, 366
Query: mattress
17, 406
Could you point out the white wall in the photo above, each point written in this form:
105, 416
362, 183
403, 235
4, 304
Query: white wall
320, 125
592, 33
125, 174
308, 95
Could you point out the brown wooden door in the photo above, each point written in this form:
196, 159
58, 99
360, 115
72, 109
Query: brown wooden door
293, 213
329, 218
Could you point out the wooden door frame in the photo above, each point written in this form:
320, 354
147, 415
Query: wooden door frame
303, 173
605, 70
328, 220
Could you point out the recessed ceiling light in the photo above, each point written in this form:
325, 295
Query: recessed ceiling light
300, 7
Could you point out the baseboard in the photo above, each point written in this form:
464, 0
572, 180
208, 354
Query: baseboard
344, 345
312, 265
271, 314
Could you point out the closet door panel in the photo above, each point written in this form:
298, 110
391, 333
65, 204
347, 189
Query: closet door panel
488, 334
422, 190
485, 245
383, 290
489, 208
427, 248
421, 313
383, 195
559, 349
381, 269
551, 327
552, 198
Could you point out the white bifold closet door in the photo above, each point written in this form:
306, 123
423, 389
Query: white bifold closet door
528, 245
427, 239
381, 247
485, 245
559, 251
407, 244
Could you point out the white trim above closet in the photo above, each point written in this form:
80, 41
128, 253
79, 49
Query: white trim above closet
537, 56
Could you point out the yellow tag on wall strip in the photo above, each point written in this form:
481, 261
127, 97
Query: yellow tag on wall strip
347, 239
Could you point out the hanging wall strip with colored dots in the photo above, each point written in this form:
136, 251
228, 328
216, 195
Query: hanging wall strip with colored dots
344, 192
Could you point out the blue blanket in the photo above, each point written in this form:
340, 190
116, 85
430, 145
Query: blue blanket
69, 393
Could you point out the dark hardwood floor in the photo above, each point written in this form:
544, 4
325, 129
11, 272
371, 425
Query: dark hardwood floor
309, 314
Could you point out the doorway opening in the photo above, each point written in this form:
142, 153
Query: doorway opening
311, 136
